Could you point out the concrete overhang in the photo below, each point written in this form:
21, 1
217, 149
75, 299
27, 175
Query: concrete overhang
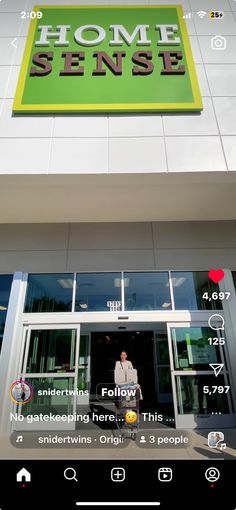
117, 197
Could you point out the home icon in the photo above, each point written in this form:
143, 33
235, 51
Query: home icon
23, 476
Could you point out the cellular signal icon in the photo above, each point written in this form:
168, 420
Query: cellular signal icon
188, 15
201, 14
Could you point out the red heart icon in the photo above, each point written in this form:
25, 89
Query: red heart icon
216, 275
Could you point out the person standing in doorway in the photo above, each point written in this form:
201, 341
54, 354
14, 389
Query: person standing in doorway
123, 366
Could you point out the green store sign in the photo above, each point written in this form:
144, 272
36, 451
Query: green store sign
107, 59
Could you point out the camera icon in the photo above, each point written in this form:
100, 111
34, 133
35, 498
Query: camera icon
218, 42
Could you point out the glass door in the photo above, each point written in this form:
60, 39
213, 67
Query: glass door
50, 364
162, 367
199, 374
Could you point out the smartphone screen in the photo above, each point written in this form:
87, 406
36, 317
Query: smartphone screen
117, 254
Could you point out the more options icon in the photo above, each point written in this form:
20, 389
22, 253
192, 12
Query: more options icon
165, 474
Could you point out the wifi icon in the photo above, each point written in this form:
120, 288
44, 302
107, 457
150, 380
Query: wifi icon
201, 14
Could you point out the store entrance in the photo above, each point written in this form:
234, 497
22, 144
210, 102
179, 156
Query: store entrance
148, 352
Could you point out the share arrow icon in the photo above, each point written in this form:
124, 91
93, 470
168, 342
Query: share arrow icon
217, 367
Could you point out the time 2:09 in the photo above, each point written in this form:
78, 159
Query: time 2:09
31, 15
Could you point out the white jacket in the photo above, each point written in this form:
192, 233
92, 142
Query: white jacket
123, 366
124, 372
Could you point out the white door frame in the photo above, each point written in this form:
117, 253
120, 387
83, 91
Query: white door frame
191, 421
26, 335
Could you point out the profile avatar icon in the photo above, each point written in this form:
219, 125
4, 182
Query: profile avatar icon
21, 392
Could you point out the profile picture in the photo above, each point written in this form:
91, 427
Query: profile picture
21, 392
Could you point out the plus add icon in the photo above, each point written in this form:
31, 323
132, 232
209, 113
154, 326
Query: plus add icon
118, 474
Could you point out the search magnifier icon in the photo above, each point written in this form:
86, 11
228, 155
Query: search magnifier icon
70, 474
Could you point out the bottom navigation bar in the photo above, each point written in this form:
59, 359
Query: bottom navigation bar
70, 484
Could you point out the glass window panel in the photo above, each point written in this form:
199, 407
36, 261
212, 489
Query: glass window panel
147, 291
192, 350
98, 292
164, 380
44, 403
49, 293
51, 351
5, 289
192, 399
162, 350
188, 289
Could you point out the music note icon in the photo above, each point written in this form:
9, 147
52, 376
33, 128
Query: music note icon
19, 439
223, 446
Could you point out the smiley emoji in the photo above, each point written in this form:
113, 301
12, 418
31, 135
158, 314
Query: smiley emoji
131, 417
